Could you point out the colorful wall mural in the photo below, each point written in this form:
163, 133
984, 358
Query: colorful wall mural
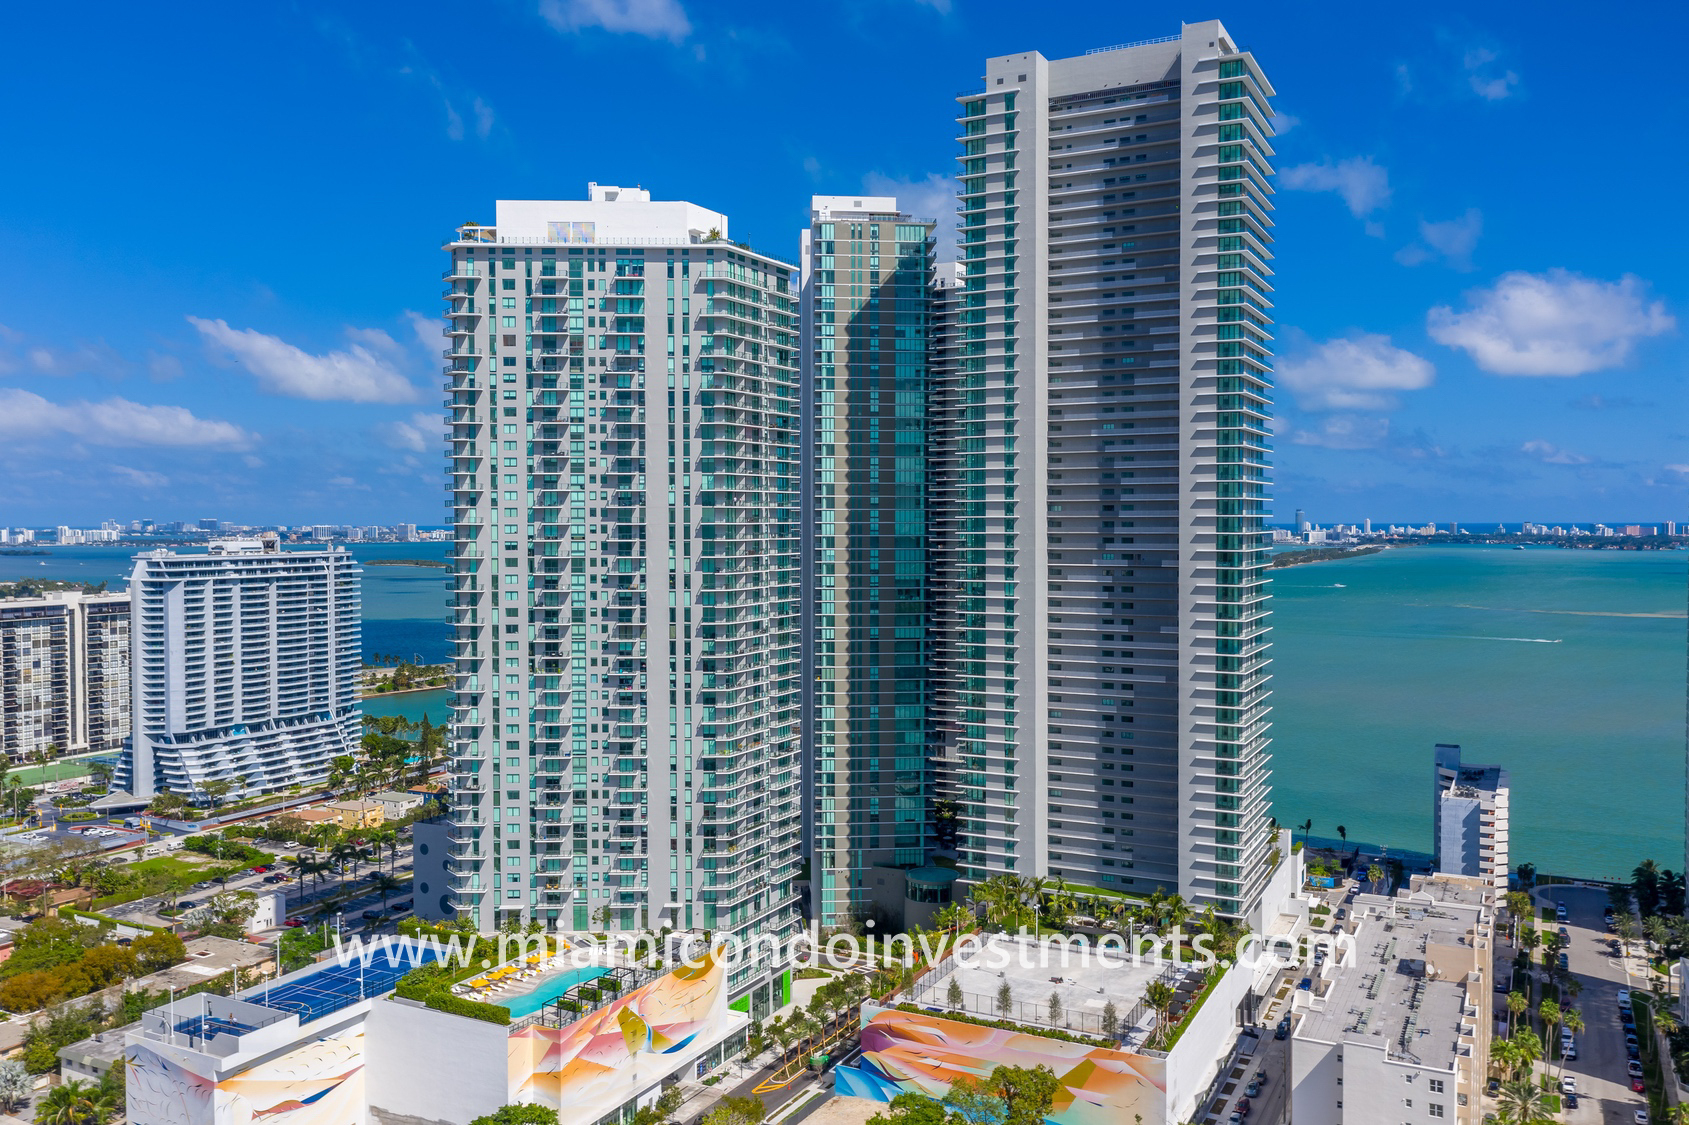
597, 1063
921, 1053
319, 1083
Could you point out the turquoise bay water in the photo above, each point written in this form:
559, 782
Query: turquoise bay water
404, 606
1516, 655
1566, 667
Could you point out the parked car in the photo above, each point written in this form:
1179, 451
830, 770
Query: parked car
1624, 997
400, 907
1641, 1116
1633, 1068
1494, 1087
1636, 1086
1306, 984
372, 915
1253, 1090
1565, 963
1631, 1052
295, 923
1243, 1106
1568, 1084
1570, 1052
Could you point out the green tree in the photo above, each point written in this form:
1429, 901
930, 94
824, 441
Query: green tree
1027, 1094
1055, 1007
1005, 998
911, 1109
1516, 1007
1374, 875
217, 790
1111, 1021
1522, 1103
385, 885
1160, 995
734, 1110
15, 1083
973, 1102
520, 1114
953, 998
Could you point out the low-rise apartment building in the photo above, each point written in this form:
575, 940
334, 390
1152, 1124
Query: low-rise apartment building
1397, 1027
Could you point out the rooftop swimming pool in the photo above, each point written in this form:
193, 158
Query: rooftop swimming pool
549, 989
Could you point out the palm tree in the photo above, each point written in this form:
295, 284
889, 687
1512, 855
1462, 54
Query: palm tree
1573, 1020
1374, 875
343, 856
1160, 995
1527, 1046
1516, 1007
1343, 834
60, 1105
1307, 827
1522, 1103
1505, 1054
385, 884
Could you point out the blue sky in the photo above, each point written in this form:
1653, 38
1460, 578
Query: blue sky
222, 227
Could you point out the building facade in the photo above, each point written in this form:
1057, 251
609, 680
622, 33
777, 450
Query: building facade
624, 489
244, 665
867, 276
1104, 680
1470, 818
1397, 1025
64, 674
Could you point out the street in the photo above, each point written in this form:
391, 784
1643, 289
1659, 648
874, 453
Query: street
1603, 1086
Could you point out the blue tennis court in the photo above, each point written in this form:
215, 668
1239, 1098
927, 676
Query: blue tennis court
337, 986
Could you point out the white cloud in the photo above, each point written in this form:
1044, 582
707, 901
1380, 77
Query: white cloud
1284, 123
1359, 372
1554, 323
114, 421
1552, 454
140, 478
19, 357
942, 7
483, 119
1345, 431
163, 368
1683, 469
1484, 82
655, 19
1453, 240
429, 332
420, 433
1364, 185
363, 372
931, 198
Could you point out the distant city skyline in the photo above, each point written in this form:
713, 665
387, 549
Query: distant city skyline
1437, 355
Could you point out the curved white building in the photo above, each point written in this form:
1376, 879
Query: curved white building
244, 660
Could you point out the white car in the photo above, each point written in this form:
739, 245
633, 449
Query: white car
1568, 1085
1624, 998
1641, 1117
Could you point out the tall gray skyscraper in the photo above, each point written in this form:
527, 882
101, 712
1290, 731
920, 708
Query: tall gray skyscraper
1102, 591
64, 674
866, 291
245, 659
624, 487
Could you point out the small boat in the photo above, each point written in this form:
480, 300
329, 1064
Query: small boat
1519, 548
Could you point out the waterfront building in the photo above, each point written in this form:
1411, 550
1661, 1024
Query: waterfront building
866, 292
244, 663
64, 674
1470, 817
624, 481
1105, 702
1397, 1026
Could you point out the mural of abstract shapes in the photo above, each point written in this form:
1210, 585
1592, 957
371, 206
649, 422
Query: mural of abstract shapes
320, 1083
589, 1062
161, 1091
918, 1053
